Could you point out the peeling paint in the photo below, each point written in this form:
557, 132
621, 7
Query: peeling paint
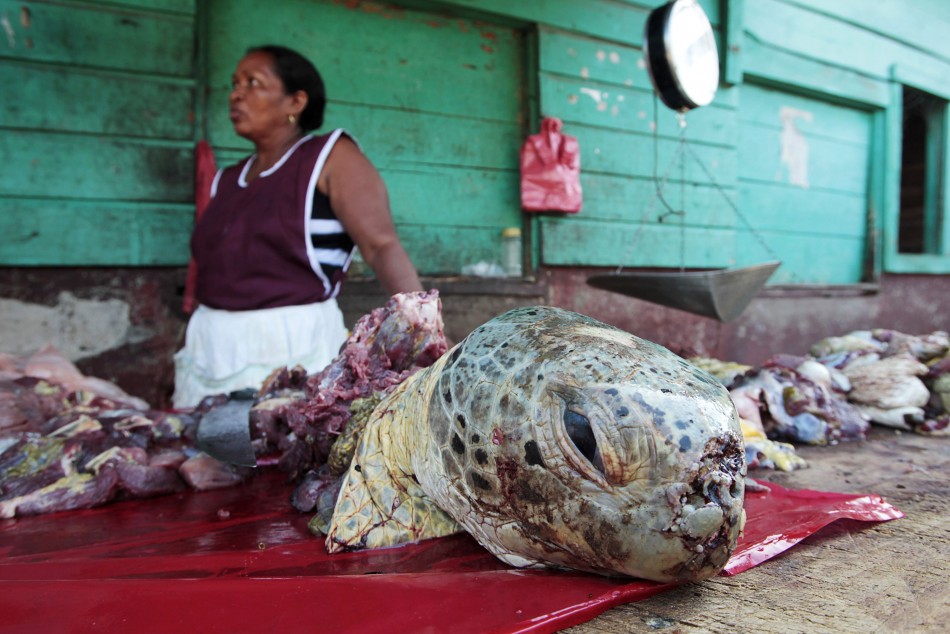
585, 73
25, 17
601, 56
77, 327
794, 146
8, 29
628, 82
572, 99
572, 52
615, 57
641, 64
593, 93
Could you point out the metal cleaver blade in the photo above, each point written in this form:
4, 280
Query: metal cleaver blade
224, 433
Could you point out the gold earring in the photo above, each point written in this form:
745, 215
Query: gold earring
292, 119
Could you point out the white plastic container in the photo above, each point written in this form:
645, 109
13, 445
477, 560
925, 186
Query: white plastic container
511, 252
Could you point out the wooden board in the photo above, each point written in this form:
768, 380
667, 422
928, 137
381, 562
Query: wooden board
100, 35
96, 233
890, 577
804, 184
93, 101
96, 132
53, 165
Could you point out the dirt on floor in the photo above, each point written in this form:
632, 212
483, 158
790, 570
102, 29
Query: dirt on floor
850, 576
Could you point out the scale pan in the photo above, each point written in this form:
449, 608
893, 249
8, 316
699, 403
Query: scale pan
721, 293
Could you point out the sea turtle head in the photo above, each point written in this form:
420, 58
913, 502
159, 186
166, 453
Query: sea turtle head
568, 442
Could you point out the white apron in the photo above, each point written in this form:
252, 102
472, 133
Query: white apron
231, 350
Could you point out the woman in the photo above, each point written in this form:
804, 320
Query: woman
273, 245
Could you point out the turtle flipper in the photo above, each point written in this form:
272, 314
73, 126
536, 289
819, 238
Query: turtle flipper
380, 503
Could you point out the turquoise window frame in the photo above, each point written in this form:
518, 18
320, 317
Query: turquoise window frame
937, 261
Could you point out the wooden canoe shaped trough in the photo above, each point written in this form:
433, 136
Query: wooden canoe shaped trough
720, 293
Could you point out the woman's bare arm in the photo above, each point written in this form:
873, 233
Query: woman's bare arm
360, 201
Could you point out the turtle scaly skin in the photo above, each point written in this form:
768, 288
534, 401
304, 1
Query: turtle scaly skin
555, 440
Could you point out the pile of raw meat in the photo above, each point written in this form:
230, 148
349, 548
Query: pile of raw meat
834, 393
68, 441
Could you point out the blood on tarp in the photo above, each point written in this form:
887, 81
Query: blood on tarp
105, 568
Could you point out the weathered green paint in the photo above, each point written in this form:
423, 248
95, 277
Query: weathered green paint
803, 174
448, 248
767, 65
98, 102
732, 51
88, 34
847, 52
96, 132
436, 102
787, 26
440, 93
922, 24
634, 200
802, 254
564, 242
70, 167
405, 61
606, 151
453, 197
616, 108
93, 233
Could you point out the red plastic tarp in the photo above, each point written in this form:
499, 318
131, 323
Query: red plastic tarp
241, 560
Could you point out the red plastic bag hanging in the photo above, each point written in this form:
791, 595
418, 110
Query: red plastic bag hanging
551, 170
205, 170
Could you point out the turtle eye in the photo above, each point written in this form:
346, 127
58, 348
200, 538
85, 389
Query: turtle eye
581, 433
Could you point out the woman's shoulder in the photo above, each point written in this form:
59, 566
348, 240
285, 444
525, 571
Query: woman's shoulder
319, 141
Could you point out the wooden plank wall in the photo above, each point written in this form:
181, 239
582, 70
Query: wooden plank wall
804, 185
96, 132
839, 62
630, 145
436, 102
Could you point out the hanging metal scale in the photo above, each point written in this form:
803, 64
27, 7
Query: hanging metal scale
683, 63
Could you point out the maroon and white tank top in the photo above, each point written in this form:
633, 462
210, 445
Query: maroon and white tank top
274, 241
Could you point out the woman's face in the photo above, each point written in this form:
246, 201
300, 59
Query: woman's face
259, 103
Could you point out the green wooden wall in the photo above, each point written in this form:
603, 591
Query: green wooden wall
797, 158
96, 132
845, 60
438, 103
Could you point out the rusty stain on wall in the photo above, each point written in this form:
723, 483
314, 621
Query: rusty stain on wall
794, 152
